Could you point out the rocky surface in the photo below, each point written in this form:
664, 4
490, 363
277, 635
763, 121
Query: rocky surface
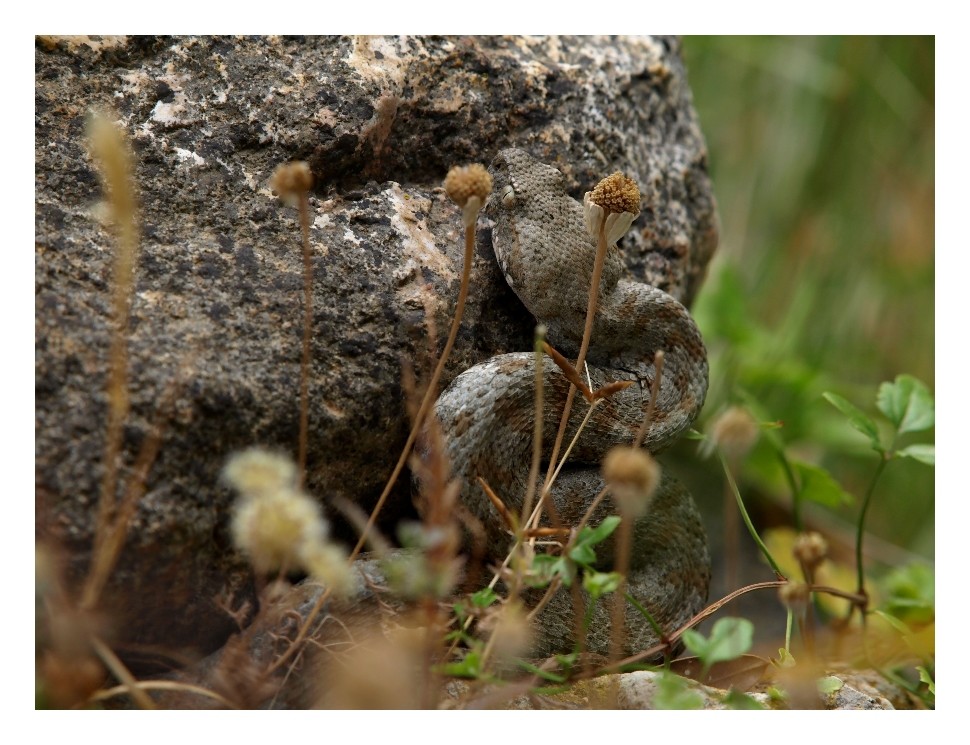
219, 282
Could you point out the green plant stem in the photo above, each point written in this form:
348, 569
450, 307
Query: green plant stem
860, 530
796, 493
747, 519
646, 614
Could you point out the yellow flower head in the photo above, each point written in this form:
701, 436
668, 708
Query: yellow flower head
612, 206
616, 193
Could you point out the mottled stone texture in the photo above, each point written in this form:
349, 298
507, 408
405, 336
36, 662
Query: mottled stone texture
219, 283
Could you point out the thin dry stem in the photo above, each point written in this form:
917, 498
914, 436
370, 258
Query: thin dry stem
536, 427
546, 597
432, 638
658, 364
139, 686
113, 533
429, 394
507, 517
301, 635
491, 585
572, 444
667, 644
594, 290
592, 508
571, 373
117, 667
622, 567
109, 147
547, 533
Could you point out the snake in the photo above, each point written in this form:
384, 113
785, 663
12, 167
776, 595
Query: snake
487, 413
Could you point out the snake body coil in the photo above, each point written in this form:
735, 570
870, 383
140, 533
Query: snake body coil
487, 412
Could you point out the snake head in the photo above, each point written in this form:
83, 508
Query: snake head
521, 180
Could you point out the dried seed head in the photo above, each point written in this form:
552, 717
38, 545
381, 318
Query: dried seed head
463, 182
277, 525
292, 181
110, 148
735, 432
794, 595
468, 187
632, 475
277, 530
327, 563
810, 549
616, 193
256, 472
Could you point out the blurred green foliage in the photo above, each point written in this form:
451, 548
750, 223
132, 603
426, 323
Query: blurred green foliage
822, 155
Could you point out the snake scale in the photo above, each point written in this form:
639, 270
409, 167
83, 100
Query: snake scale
486, 413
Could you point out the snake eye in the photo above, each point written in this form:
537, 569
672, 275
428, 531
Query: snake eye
508, 196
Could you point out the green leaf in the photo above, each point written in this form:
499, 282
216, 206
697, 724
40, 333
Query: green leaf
582, 553
921, 452
546, 567
910, 593
592, 536
738, 700
785, 658
818, 486
907, 403
925, 677
695, 642
777, 695
469, 667
539, 672
675, 692
857, 419
598, 584
829, 684
484, 597
567, 661
730, 638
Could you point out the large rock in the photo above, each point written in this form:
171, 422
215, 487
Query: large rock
219, 281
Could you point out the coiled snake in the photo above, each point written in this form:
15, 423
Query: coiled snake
486, 414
